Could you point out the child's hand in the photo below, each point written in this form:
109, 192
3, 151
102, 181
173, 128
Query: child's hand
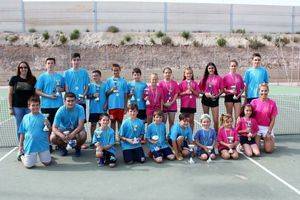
131, 141
230, 146
249, 135
167, 104
207, 94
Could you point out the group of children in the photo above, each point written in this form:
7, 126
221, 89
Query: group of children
153, 104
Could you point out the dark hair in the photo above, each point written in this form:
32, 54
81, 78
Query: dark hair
137, 71
103, 115
29, 77
115, 65
167, 68
183, 116
206, 74
132, 106
97, 71
256, 55
70, 95
234, 60
75, 55
50, 59
185, 69
34, 99
242, 114
158, 113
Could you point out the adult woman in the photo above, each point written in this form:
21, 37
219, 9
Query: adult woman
265, 112
21, 88
233, 88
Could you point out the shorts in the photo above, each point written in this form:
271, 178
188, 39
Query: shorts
262, 131
94, 117
248, 100
131, 155
84, 108
244, 140
200, 151
209, 102
183, 145
162, 152
188, 110
142, 115
229, 99
109, 157
51, 112
30, 159
116, 114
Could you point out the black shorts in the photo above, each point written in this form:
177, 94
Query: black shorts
109, 157
131, 155
142, 115
51, 112
84, 108
244, 140
188, 110
229, 99
94, 117
162, 152
250, 99
210, 102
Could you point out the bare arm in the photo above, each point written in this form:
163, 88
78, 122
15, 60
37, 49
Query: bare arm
10, 100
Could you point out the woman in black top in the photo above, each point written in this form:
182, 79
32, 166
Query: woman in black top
21, 88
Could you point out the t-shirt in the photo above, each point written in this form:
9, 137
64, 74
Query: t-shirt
22, 91
138, 90
96, 105
131, 129
160, 131
233, 79
35, 139
225, 134
67, 119
76, 80
253, 78
188, 100
117, 98
156, 96
105, 138
244, 123
264, 111
214, 83
170, 89
48, 84
205, 137
177, 131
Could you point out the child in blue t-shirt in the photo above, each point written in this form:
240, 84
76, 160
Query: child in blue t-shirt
131, 132
33, 140
205, 139
157, 141
104, 140
97, 97
180, 136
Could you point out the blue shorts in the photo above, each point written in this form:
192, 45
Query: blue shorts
162, 152
131, 155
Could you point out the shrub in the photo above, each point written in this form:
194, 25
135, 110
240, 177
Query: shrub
112, 29
12, 38
268, 37
186, 35
127, 38
221, 42
63, 39
160, 34
166, 40
240, 46
255, 44
46, 35
241, 31
197, 44
122, 42
32, 30
75, 34
152, 41
281, 41
36, 45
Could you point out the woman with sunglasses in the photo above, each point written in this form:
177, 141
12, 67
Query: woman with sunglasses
21, 88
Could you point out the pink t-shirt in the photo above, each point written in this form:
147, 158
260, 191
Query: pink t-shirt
214, 84
233, 79
155, 97
243, 123
264, 111
188, 100
170, 89
223, 135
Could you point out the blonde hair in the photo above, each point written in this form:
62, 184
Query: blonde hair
205, 116
264, 85
224, 118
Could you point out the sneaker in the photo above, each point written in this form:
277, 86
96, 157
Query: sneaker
77, 152
19, 155
63, 151
112, 165
92, 146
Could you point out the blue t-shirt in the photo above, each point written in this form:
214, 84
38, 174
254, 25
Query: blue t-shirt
205, 137
131, 129
117, 98
35, 139
253, 78
76, 80
67, 119
97, 106
138, 90
105, 137
160, 131
48, 84
177, 131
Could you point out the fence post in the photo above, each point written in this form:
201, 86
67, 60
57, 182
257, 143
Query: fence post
22, 11
293, 20
231, 18
95, 12
165, 17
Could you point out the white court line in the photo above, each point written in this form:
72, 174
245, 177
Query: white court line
1, 159
268, 171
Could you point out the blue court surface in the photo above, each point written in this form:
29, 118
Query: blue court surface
273, 176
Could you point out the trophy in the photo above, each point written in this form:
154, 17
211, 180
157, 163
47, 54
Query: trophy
155, 138
71, 143
191, 149
97, 91
136, 140
210, 90
46, 129
233, 88
189, 86
249, 124
80, 97
210, 148
147, 95
115, 87
57, 86
230, 140
132, 97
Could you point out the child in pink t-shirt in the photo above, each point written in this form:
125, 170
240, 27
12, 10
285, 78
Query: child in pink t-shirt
211, 86
153, 95
189, 92
247, 129
227, 138
171, 91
